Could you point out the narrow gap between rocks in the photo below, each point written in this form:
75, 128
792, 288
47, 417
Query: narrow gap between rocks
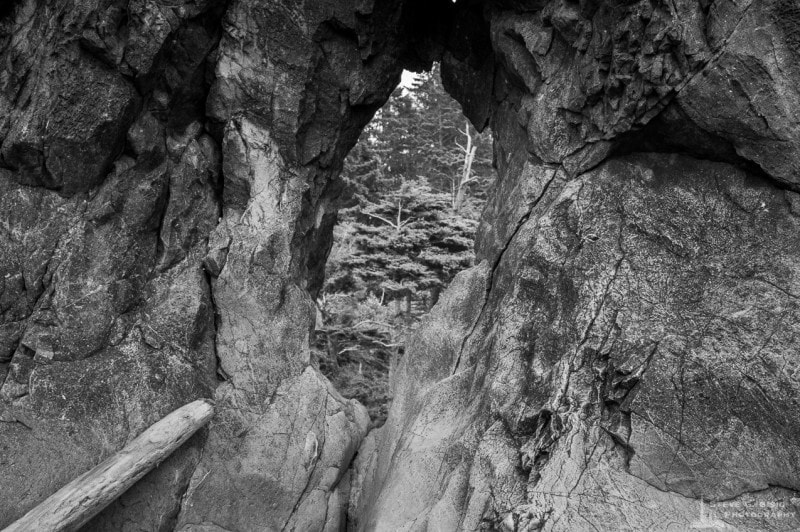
416, 183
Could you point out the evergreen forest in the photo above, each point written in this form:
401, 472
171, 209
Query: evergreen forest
415, 185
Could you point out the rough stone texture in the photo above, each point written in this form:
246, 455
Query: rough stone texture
625, 349
168, 173
107, 314
637, 357
750, 97
632, 349
294, 85
276, 468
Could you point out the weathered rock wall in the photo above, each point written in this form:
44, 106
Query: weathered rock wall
109, 191
626, 346
168, 198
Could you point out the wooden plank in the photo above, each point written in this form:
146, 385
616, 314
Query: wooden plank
73, 505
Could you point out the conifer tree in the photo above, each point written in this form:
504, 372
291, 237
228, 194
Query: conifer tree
416, 182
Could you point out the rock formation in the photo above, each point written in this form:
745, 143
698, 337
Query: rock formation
626, 348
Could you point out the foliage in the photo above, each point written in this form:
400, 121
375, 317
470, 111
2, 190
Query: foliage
355, 348
421, 134
416, 182
406, 243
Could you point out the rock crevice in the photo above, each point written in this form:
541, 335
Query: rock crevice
625, 348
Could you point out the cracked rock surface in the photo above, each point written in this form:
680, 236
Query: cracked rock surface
625, 349
634, 361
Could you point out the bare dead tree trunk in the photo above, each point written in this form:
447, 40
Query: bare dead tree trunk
73, 505
469, 150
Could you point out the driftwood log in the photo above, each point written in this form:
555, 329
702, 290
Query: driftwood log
73, 505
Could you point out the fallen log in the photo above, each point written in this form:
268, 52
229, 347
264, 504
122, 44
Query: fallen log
76, 503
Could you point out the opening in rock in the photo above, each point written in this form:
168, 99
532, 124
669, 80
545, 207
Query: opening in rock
416, 183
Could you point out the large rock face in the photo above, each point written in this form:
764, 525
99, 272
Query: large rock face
168, 183
632, 354
626, 348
